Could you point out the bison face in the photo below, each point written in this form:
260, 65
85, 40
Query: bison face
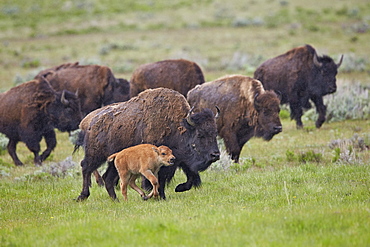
202, 144
65, 111
328, 70
268, 108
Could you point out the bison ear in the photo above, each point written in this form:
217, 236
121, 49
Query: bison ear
156, 150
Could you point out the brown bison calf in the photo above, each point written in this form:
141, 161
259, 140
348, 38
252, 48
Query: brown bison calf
145, 159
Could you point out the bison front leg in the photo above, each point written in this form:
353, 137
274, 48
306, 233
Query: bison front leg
321, 109
193, 178
12, 146
232, 145
296, 112
51, 143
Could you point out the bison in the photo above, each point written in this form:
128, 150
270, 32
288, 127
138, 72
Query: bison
300, 75
95, 85
247, 110
143, 159
31, 111
156, 116
180, 75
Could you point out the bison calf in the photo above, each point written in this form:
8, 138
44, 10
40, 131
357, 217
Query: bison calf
145, 159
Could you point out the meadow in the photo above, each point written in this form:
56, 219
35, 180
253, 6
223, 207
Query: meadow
307, 187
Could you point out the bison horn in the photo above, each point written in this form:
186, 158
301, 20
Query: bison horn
256, 104
218, 112
316, 61
76, 93
63, 98
188, 118
340, 61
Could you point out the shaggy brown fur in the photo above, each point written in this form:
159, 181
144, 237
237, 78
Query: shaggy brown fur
144, 159
180, 75
95, 84
300, 75
156, 116
246, 109
30, 112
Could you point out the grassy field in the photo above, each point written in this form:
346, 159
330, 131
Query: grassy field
307, 187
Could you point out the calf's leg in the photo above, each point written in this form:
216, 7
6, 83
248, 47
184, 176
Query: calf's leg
154, 181
136, 188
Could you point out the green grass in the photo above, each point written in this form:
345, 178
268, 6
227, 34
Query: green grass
274, 201
295, 190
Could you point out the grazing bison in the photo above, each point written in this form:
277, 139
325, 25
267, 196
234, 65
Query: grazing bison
247, 110
30, 112
143, 159
180, 75
95, 85
158, 117
300, 75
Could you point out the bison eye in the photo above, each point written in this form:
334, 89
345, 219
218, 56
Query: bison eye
163, 154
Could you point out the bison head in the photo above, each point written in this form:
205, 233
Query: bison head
267, 105
65, 111
201, 130
327, 71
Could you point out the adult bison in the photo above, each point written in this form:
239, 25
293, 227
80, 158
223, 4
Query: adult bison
300, 75
180, 75
30, 112
157, 116
95, 85
247, 110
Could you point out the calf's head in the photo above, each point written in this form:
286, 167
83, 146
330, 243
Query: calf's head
165, 155
267, 105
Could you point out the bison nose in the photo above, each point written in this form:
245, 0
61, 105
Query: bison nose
172, 161
215, 156
278, 129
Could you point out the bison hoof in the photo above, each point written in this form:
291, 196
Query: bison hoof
80, 198
182, 187
145, 198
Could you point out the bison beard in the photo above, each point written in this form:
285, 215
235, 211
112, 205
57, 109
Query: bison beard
158, 117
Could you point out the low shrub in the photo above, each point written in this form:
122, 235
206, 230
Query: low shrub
345, 150
349, 102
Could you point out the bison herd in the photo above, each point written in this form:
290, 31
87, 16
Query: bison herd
166, 104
